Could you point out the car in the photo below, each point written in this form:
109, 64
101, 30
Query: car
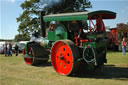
1, 49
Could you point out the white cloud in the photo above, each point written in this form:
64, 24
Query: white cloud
12, 1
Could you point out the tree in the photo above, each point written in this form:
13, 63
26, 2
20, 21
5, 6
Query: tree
22, 37
29, 20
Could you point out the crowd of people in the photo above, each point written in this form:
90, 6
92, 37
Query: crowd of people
8, 49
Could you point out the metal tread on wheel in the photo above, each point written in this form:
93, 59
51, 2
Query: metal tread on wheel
36, 54
64, 55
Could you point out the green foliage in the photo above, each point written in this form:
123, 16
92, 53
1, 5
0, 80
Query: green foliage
22, 37
29, 20
6, 40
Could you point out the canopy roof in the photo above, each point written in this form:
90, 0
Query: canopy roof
77, 16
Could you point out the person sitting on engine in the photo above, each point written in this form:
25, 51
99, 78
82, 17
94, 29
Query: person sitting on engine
52, 25
77, 26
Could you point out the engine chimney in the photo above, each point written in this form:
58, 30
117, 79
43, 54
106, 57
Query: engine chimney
42, 24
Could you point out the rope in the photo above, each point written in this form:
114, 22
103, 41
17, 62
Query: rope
93, 60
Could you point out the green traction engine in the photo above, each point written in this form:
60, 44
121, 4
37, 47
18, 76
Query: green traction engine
73, 41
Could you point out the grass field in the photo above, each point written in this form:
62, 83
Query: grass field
14, 71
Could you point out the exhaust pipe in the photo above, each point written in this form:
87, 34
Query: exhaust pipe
42, 24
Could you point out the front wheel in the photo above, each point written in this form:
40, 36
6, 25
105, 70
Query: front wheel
35, 54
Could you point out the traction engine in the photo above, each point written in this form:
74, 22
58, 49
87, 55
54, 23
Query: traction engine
71, 45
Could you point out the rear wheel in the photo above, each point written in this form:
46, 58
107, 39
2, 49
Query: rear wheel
63, 56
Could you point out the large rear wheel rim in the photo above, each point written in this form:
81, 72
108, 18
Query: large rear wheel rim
62, 58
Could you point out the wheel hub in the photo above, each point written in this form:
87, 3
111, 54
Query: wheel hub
61, 57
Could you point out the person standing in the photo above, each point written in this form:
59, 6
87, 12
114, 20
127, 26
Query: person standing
5, 50
16, 49
10, 49
124, 46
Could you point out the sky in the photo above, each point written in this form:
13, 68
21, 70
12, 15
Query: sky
10, 10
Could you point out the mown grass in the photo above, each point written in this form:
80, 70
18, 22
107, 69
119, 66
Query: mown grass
117, 58
14, 71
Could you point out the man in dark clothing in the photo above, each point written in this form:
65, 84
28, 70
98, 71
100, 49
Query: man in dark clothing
10, 50
16, 49
5, 50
